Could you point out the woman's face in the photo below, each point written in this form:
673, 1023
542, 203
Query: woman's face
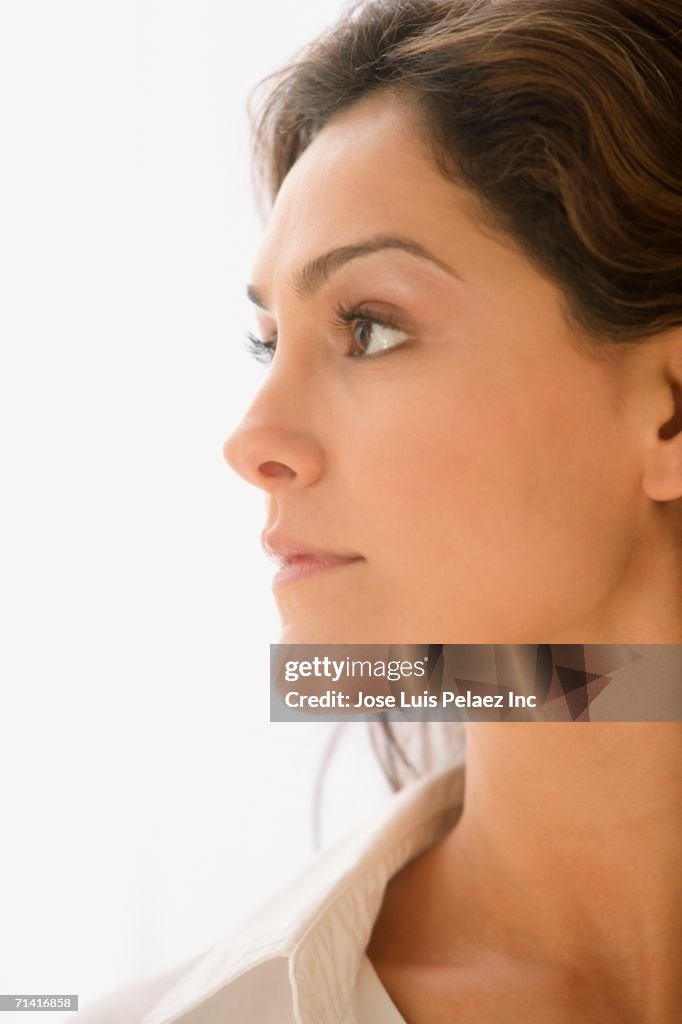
481, 464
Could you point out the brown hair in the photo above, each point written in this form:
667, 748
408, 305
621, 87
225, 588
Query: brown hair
562, 118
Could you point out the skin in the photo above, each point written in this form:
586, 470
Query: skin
500, 483
557, 896
504, 484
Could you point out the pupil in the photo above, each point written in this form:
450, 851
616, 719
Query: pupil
363, 326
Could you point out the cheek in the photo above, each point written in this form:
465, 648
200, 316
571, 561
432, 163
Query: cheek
431, 469
504, 489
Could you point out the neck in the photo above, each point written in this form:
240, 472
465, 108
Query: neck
570, 841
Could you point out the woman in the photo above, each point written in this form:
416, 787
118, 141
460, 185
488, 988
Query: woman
470, 294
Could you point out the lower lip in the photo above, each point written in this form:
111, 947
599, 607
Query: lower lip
300, 568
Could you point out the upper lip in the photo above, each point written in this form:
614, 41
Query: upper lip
282, 548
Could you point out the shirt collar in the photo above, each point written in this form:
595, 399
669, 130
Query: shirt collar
332, 904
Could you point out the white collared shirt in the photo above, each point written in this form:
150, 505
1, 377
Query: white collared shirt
300, 959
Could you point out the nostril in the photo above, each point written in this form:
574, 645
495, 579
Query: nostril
275, 469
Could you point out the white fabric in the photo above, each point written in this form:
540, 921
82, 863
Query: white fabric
300, 959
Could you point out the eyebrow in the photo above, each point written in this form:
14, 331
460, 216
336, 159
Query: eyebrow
309, 278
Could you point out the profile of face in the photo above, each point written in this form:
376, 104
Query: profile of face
489, 471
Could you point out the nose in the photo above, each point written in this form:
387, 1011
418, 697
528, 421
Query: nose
273, 455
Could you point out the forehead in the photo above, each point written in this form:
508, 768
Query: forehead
368, 171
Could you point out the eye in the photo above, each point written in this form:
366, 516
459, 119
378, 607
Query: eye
371, 335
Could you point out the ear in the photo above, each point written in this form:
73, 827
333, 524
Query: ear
662, 480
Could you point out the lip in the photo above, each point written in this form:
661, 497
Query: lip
299, 559
304, 566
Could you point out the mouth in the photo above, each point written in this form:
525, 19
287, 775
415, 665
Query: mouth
304, 566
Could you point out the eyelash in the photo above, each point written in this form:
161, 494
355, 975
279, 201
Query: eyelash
345, 317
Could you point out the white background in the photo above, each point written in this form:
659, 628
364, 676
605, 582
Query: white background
147, 803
